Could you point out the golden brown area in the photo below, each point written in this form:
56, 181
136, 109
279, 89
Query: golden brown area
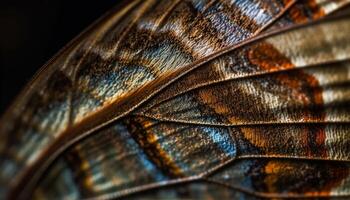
268, 58
258, 139
211, 99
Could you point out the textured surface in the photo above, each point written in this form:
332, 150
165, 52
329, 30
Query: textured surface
234, 95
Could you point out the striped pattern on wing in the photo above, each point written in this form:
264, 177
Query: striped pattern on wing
166, 92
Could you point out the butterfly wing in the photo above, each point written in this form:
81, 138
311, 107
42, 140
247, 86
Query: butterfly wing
218, 87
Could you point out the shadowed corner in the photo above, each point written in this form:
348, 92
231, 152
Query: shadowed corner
33, 31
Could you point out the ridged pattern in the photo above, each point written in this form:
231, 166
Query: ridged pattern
197, 91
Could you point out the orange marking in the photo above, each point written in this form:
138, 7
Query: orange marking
156, 152
268, 58
273, 170
298, 15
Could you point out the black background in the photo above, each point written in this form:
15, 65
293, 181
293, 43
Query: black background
31, 32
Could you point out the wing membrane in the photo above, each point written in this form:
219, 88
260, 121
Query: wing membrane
220, 75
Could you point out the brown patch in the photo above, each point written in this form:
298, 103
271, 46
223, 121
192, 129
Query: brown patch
297, 82
256, 137
299, 15
302, 88
268, 58
312, 101
237, 16
335, 176
210, 98
308, 178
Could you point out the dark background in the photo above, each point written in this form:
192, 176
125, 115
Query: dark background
31, 32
